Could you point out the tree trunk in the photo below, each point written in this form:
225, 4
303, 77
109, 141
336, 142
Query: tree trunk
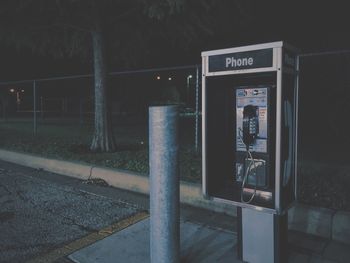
103, 140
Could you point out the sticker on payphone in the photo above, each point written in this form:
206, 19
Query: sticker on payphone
254, 100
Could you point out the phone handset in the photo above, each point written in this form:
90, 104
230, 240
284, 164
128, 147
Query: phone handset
250, 124
250, 133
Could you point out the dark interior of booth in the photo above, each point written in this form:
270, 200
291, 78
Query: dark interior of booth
221, 134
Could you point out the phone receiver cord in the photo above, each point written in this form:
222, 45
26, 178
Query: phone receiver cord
247, 172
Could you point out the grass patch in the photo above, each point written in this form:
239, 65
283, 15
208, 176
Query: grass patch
325, 185
71, 142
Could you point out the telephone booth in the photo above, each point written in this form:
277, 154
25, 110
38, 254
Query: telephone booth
249, 111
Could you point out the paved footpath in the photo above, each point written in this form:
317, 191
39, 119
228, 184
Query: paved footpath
46, 217
203, 244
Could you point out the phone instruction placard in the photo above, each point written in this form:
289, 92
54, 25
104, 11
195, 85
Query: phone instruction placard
256, 97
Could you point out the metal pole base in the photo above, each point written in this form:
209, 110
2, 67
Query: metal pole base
262, 237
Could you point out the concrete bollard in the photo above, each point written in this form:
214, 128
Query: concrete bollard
164, 184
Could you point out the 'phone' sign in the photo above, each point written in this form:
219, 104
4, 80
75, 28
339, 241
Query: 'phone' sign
241, 60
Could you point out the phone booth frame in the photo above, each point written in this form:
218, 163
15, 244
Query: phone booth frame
280, 62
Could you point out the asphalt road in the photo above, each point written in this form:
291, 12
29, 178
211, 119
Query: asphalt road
40, 211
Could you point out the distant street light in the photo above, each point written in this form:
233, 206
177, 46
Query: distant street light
18, 98
188, 89
158, 77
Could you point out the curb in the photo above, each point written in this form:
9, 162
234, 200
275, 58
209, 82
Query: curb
190, 194
341, 227
317, 221
312, 220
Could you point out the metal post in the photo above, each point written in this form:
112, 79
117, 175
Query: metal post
196, 137
4, 108
164, 184
34, 106
188, 90
296, 130
18, 101
42, 107
81, 116
62, 107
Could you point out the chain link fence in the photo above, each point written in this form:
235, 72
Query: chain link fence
70, 100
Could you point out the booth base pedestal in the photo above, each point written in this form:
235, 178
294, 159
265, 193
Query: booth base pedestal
262, 237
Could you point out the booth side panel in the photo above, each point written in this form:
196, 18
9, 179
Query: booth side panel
278, 132
204, 128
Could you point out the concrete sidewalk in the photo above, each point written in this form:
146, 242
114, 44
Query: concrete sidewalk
199, 244
203, 244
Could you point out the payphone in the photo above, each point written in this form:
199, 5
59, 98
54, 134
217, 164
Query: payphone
249, 118
251, 138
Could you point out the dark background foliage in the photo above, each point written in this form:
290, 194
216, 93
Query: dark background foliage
41, 38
